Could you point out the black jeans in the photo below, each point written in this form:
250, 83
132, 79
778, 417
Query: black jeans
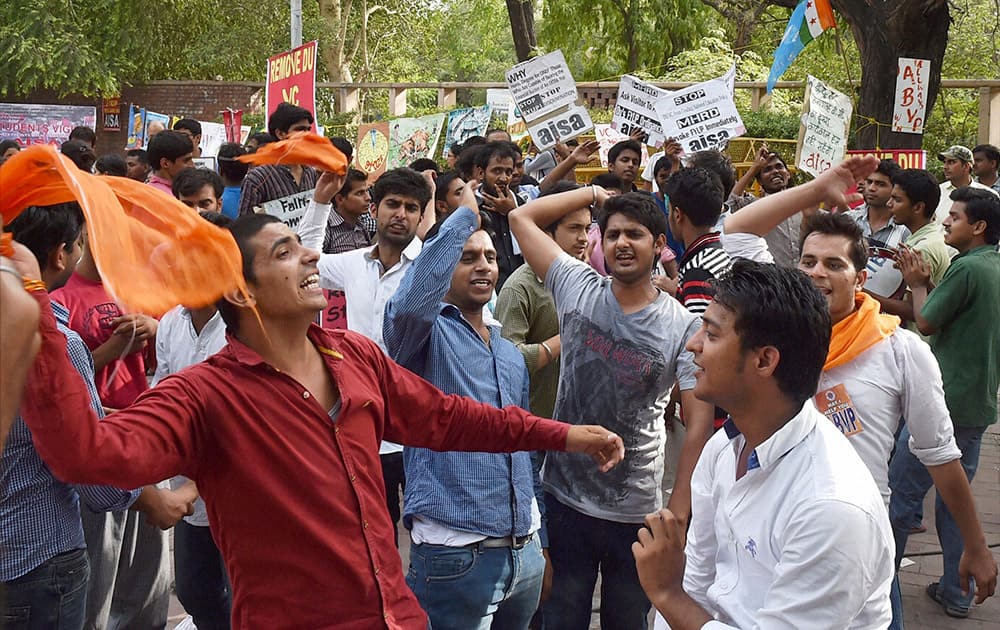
395, 484
202, 583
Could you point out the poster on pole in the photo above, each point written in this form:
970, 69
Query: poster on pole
413, 138
635, 108
541, 86
467, 122
43, 124
701, 116
910, 104
372, 149
291, 78
826, 119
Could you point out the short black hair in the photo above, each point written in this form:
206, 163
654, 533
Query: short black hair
344, 146
624, 145
466, 162
698, 193
243, 230
559, 187
638, 206
442, 184
111, 164
81, 153
991, 152
216, 218
168, 145
401, 181
779, 307
425, 164
773, 155
191, 180
42, 229
608, 180
838, 224
229, 167
353, 175
261, 138
889, 168
188, 124
286, 115
718, 163
498, 149
919, 185
981, 205
664, 162
138, 153
8, 144
85, 134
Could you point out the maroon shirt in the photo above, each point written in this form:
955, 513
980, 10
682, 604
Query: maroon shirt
296, 501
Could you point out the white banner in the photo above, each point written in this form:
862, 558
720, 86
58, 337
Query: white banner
289, 209
701, 116
213, 136
502, 102
912, 79
542, 85
635, 108
565, 126
826, 119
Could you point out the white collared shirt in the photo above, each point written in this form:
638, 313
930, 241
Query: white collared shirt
802, 540
944, 205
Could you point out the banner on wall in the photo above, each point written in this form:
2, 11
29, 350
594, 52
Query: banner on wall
291, 78
371, 151
43, 124
413, 138
111, 114
467, 122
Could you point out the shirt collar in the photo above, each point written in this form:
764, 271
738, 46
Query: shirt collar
771, 450
61, 312
248, 356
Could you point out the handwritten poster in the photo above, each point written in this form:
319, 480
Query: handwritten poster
826, 119
912, 79
542, 85
372, 149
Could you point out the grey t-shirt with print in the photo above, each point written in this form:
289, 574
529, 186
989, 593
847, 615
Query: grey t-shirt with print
617, 371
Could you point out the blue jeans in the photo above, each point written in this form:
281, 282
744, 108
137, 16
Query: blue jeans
909, 482
52, 596
579, 546
474, 587
202, 583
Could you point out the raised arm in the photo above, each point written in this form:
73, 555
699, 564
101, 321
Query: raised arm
829, 188
580, 155
312, 227
427, 219
528, 221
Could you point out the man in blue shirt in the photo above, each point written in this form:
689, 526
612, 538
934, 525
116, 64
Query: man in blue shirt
41, 536
476, 557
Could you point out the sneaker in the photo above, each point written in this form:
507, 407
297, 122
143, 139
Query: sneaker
951, 611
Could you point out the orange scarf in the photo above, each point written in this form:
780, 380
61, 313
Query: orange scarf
859, 331
300, 148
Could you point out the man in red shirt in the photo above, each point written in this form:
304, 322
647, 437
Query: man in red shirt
280, 430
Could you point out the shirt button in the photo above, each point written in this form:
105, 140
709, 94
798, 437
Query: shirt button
365, 525
353, 477
305, 394
377, 570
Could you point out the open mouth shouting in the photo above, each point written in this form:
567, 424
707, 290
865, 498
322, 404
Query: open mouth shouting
311, 283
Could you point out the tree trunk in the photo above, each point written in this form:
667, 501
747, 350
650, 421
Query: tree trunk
629, 16
885, 31
522, 27
334, 19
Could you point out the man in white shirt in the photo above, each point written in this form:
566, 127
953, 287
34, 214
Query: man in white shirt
370, 276
787, 527
876, 372
958, 173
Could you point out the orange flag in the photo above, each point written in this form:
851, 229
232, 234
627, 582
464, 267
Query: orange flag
152, 251
305, 148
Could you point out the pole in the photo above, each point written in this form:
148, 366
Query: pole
296, 23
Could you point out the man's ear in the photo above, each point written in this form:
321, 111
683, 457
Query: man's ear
766, 360
862, 277
238, 298
57, 259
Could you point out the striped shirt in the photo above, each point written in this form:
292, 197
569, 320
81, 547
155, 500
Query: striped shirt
40, 515
703, 261
342, 236
273, 181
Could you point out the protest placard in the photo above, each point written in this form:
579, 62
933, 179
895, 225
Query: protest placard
608, 137
413, 138
154, 124
136, 127
826, 119
291, 78
564, 126
232, 120
467, 122
289, 209
43, 124
213, 136
372, 149
111, 114
912, 78
701, 116
542, 85
635, 108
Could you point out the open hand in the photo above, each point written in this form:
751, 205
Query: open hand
502, 204
584, 152
327, 186
834, 183
603, 446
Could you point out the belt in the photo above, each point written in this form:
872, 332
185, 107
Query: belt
514, 542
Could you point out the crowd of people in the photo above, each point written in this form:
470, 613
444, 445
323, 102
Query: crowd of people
661, 379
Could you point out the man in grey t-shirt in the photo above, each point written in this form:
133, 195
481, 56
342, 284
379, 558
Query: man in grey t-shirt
622, 352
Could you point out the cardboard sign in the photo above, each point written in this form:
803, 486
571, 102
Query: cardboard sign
111, 114
701, 116
291, 78
826, 118
542, 85
372, 149
565, 126
635, 108
467, 122
608, 137
43, 124
289, 209
910, 106
413, 138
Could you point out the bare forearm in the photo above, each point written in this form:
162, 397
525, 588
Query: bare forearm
901, 308
557, 174
766, 213
698, 417
744, 182
681, 611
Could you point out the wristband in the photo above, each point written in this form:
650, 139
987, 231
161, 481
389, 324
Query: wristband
548, 351
32, 285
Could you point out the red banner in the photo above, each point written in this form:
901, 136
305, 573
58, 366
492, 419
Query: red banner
906, 158
291, 78
232, 119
